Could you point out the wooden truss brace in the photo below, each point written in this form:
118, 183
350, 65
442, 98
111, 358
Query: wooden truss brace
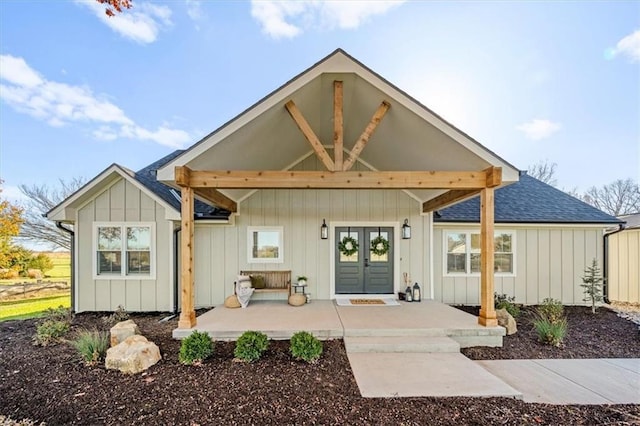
338, 132
493, 178
211, 195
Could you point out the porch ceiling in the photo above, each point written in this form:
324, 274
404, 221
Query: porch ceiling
409, 137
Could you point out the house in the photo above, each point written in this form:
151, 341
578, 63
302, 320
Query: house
622, 257
339, 146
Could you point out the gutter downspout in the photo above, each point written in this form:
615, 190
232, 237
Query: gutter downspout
72, 235
605, 262
176, 242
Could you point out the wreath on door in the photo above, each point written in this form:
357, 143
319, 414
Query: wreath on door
348, 245
380, 246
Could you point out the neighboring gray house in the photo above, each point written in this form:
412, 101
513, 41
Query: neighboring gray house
339, 145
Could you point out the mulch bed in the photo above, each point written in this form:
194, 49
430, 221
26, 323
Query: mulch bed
51, 384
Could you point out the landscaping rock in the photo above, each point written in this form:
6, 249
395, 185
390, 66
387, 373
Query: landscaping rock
132, 356
232, 302
122, 330
507, 321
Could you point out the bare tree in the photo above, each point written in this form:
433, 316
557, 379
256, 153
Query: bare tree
544, 171
41, 199
617, 198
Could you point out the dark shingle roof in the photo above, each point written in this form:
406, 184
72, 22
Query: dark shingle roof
528, 201
147, 177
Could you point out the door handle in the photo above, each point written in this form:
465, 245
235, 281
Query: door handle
366, 262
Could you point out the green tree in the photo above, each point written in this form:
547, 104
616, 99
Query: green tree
592, 285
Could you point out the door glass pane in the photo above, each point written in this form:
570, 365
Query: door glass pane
354, 256
383, 257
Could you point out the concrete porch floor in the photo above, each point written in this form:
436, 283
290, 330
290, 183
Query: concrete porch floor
326, 320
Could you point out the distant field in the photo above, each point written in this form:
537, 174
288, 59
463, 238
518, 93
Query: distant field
30, 308
61, 269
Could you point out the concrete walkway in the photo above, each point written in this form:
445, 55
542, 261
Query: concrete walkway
571, 381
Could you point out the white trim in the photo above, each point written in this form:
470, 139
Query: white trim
468, 232
521, 225
279, 230
76, 264
431, 249
123, 272
364, 224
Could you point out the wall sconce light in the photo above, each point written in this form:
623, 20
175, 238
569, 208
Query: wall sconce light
406, 230
324, 230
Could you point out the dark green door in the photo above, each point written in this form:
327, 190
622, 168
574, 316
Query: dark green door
364, 272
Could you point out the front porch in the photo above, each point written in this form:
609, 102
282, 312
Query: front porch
326, 320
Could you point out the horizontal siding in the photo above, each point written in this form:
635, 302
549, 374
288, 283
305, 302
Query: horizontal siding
221, 250
623, 266
549, 262
123, 202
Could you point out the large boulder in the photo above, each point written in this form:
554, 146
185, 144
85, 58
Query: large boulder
132, 356
122, 330
507, 321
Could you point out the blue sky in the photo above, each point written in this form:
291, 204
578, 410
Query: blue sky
530, 80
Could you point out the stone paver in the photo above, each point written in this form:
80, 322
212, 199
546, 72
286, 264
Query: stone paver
571, 381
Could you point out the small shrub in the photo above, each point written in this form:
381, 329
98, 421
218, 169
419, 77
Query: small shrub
194, 349
119, 315
551, 310
305, 346
551, 333
502, 301
92, 346
592, 285
50, 331
9, 274
56, 323
251, 345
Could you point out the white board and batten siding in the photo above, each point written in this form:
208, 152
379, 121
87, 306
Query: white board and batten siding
549, 263
123, 202
624, 266
221, 249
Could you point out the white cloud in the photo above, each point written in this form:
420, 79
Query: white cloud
141, 23
539, 129
629, 46
276, 16
25, 90
194, 9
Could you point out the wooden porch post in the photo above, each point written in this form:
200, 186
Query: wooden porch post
487, 315
187, 313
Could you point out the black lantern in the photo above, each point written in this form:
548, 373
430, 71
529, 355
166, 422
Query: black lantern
416, 293
406, 230
324, 230
407, 294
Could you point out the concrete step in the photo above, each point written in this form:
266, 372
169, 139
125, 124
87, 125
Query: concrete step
400, 344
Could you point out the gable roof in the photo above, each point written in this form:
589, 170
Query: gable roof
529, 201
145, 180
410, 137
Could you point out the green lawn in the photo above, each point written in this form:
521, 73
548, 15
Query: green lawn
23, 309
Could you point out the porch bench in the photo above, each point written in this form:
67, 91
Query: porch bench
275, 281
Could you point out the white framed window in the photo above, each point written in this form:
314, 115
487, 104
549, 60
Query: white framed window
124, 250
265, 244
462, 252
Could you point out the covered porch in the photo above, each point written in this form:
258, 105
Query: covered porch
326, 320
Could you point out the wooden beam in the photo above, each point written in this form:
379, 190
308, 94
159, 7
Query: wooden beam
218, 198
449, 197
182, 175
308, 133
254, 179
487, 315
494, 176
187, 313
338, 125
366, 134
